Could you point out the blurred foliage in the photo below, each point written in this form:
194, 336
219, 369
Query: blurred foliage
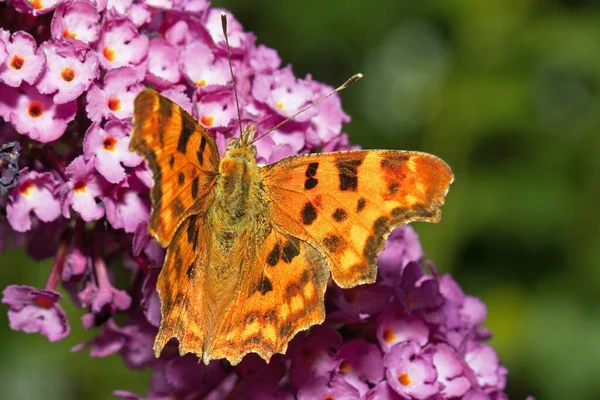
507, 92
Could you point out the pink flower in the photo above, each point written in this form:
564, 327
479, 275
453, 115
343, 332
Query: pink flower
109, 149
69, 71
284, 94
162, 70
115, 98
24, 61
202, 68
36, 7
78, 20
121, 45
35, 310
34, 114
37, 194
82, 190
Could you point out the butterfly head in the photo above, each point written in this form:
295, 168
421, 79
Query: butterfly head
243, 144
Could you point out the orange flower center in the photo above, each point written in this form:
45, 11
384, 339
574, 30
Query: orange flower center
109, 143
388, 335
114, 104
329, 397
17, 62
35, 109
26, 188
279, 105
67, 33
68, 74
80, 186
37, 4
109, 54
345, 367
201, 83
404, 379
43, 302
207, 120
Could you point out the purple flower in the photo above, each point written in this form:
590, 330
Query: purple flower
34, 114
35, 310
395, 326
115, 98
121, 45
284, 94
126, 208
69, 71
162, 71
410, 371
483, 361
202, 68
78, 20
238, 39
36, 7
323, 388
314, 355
82, 190
217, 111
133, 342
327, 123
24, 61
37, 194
109, 149
451, 373
361, 364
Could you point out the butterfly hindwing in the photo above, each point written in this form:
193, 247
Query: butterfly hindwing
281, 292
181, 288
183, 158
346, 203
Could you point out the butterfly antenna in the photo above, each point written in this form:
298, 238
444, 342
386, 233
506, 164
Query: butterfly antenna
349, 82
237, 102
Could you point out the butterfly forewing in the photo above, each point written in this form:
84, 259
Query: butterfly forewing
183, 158
346, 203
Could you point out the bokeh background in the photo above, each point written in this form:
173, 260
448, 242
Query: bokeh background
507, 92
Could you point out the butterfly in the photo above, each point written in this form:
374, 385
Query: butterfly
250, 249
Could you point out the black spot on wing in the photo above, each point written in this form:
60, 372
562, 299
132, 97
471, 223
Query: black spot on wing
348, 172
200, 152
311, 172
334, 243
171, 161
264, 286
360, 205
181, 178
340, 215
274, 255
308, 213
192, 231
187, 129
165, 111
290, 251
195, 188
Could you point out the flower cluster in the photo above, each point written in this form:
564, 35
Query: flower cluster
71, 189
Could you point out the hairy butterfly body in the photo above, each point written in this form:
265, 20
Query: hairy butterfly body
251, 249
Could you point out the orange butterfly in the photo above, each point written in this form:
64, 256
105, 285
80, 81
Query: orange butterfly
250, 249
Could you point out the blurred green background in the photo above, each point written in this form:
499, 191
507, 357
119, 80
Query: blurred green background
507, 92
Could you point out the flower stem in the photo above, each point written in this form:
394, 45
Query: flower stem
59, 261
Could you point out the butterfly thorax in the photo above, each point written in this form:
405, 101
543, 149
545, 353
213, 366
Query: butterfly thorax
239, 202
